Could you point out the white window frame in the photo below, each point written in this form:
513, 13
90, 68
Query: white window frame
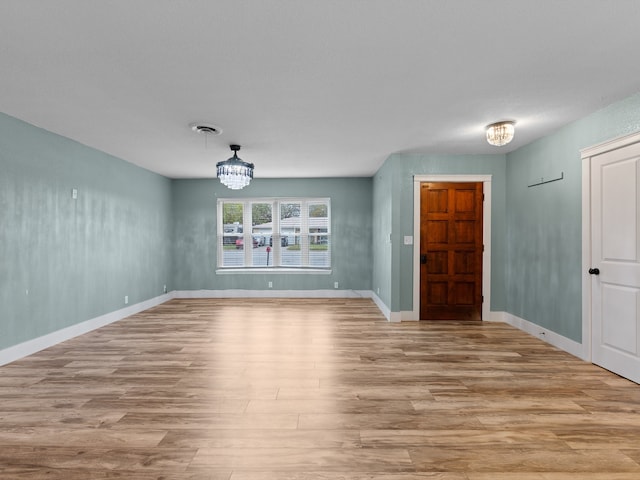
276, 251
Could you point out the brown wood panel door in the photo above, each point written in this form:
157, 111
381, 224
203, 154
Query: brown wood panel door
451, 251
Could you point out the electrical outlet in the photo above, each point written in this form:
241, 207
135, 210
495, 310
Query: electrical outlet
126, 299
270, 284
164, 289
378, 291
335, 284
74, 193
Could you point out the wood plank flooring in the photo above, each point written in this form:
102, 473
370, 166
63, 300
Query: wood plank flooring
312, 390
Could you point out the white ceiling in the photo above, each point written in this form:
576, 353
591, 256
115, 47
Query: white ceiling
310, 88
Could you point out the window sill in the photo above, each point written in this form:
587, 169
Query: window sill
242, 270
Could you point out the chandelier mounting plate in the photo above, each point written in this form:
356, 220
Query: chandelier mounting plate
208, 128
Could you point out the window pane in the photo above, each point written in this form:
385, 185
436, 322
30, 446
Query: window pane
232, 242
292, 246
290, 230
319, 246
262, 231
318, 210
232, 213
233, 254
319, 250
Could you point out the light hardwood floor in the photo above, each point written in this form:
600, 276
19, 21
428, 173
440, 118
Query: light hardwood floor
312, 390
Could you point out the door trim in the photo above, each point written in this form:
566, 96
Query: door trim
486, 236
586, 155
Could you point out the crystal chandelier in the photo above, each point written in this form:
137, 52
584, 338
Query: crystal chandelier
500, 133
234, 172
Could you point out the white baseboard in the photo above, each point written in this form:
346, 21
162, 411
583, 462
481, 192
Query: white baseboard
272, 294
390, 316
495, 317
411, 316
552, 338
16, 352
383, 308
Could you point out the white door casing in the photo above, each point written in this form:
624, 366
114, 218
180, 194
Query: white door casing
613, 295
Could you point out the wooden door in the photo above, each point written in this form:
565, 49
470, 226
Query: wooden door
615, 261
451, 251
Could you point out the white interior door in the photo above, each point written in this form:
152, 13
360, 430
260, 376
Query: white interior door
615, 261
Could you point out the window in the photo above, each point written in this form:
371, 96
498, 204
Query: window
283, 234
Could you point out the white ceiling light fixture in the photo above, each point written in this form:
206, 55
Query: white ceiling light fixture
234, 172
500, 133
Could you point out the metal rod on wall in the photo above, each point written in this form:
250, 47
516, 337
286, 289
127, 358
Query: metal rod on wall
543, 181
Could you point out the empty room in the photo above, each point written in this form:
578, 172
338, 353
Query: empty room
313, 240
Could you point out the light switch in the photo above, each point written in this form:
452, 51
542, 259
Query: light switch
408, 239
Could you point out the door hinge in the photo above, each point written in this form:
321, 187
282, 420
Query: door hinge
482, 300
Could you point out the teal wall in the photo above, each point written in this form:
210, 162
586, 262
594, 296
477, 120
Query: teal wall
382, 279
77, 259
394, 185
544, 223
194, 249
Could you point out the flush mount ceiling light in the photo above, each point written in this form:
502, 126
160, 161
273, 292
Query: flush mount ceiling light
234, 172
500, 133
